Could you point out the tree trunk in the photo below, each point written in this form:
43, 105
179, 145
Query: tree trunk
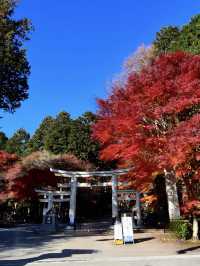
172, 196
195, 229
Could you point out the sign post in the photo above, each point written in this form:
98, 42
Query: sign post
118, 234
127, 228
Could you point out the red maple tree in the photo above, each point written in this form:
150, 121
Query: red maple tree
153, 122
6, 160
33, 172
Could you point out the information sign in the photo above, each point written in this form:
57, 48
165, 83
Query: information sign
127, 227
118, 235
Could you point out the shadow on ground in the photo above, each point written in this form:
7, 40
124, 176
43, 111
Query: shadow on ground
31, 237
138, 240
25, 237
184, 251
66, 253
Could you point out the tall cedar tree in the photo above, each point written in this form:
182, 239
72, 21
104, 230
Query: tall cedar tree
63, 134
186, 38
38, 140
153, 123
57, 139
14, 67
80, 142
18, 142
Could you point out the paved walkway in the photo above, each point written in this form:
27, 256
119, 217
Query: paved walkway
29, 246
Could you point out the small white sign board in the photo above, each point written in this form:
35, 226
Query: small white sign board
127, 227
118, 235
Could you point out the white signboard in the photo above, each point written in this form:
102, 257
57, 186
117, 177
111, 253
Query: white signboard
127, 227
118, 232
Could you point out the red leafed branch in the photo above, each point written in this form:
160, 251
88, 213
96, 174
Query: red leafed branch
153, 122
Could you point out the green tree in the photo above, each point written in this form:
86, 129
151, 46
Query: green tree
14, 67
187, 38
165, 37
80, 142
18, 142
37, 141
57, 138
3, 140
65, 135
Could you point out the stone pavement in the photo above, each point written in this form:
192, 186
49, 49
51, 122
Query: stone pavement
27, 245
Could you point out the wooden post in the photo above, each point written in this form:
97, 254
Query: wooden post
72, 208
115, 213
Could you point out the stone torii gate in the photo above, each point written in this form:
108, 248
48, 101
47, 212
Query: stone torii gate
74, 183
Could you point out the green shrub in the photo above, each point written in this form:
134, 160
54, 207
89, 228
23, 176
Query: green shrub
181, 228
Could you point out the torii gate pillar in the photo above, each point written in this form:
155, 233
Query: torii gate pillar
72, 207
115, 213
138, 206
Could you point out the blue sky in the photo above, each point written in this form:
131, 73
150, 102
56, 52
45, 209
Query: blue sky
79, 45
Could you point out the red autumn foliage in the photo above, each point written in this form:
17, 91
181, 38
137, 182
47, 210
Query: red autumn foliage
6, 160
21, 182
192, 206
33, 172
153, 122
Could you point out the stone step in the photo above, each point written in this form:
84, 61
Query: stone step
94, 225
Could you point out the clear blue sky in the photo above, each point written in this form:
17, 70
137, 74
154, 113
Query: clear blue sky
79, 45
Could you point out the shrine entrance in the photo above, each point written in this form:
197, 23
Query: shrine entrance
86, 196
61, 210
94, 204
